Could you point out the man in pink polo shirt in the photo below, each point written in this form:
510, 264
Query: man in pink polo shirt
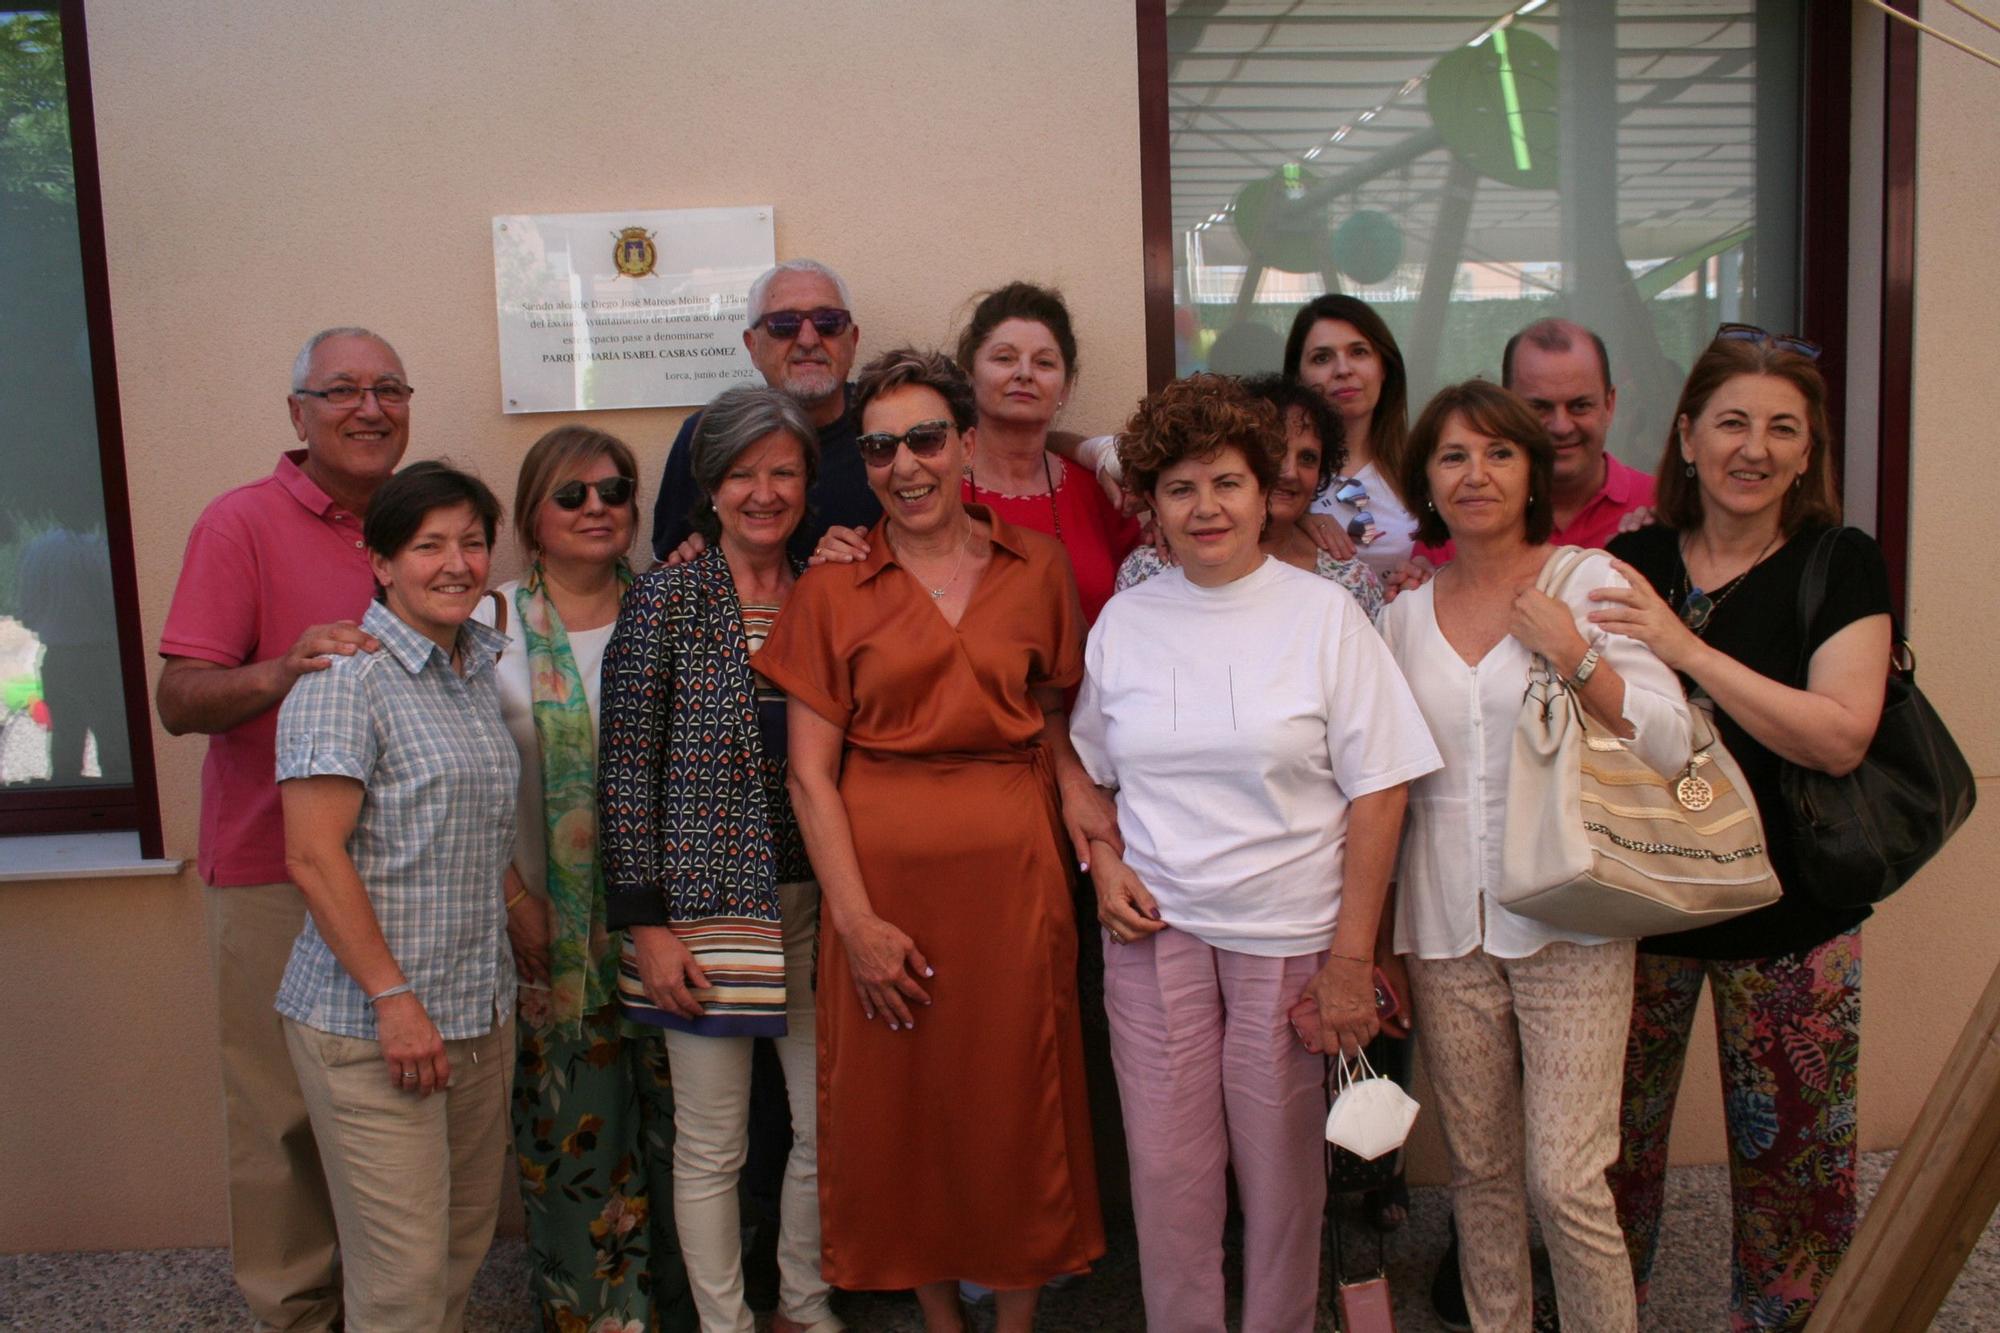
1562, 370
274, 582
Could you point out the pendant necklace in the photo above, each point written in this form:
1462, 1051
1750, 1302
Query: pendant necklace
1697, 607
941, 589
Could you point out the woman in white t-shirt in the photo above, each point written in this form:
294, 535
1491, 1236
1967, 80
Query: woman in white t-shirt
1340, 346
1523, 1025
584, 1092
1261, 743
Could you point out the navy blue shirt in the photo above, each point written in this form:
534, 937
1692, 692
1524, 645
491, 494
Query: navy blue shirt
840, 494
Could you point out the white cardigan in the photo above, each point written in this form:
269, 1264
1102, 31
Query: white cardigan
1449, 872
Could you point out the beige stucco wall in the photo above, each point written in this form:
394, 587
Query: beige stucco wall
270, 169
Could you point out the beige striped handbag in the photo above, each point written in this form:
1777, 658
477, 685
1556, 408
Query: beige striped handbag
1599, 843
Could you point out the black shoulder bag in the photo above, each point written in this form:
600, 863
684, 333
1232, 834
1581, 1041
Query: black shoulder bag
1856, 839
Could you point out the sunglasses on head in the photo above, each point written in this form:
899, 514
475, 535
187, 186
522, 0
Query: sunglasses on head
614, 491
829, 321
924, 439
1750, 333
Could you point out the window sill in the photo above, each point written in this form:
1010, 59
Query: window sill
77, 856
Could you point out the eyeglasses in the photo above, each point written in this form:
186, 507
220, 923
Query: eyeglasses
614, 491
1750, 333
1352, 493
829, 321
389, 394
924, 439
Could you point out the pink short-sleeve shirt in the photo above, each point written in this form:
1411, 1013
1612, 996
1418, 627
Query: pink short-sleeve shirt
264, 563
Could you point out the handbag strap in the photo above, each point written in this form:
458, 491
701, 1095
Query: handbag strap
1556, 570
1812, 596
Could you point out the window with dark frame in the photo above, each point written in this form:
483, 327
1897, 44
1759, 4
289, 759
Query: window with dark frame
75, 738
1289, 146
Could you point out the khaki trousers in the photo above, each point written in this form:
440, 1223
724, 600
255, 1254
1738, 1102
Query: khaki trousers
711, 1136
415, 1180
1526, 1056
281, 1232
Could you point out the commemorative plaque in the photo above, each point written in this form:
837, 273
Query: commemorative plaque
636, 309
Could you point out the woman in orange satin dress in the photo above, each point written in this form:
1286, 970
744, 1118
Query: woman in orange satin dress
935, 784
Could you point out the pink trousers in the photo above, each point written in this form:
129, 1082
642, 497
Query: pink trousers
1212, 1078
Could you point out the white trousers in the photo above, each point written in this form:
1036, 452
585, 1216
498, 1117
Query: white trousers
711, 1130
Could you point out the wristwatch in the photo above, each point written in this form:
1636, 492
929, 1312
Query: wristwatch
1585, 667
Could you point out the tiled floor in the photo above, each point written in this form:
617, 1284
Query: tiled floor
170, 1290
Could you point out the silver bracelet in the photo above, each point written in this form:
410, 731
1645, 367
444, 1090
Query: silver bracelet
404, 989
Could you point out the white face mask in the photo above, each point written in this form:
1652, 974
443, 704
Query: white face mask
1370, 1115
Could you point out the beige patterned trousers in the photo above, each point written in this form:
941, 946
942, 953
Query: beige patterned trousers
1527, 1058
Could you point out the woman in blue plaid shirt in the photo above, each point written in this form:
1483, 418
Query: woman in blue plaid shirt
398, 780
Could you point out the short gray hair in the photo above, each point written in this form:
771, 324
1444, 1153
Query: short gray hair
732, 423
759, 288
302, 363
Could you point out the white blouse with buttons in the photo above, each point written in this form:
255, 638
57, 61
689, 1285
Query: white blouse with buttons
1449, 873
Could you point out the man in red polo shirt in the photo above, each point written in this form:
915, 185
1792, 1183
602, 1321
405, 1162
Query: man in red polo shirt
274, 582
1562, 370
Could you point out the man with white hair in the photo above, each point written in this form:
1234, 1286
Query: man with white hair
274, 583
802, 338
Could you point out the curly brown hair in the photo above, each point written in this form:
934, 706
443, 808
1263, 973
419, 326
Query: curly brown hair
1198, 417
1499, 413
901, 366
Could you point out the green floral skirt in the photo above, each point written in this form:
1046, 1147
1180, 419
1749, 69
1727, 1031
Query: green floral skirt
594, 1134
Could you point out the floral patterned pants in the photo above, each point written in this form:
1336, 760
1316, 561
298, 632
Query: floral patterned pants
594, 1133
1789, 1031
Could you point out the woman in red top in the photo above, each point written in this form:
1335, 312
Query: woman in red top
1020, 353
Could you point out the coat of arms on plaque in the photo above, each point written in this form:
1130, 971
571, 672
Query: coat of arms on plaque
634, 253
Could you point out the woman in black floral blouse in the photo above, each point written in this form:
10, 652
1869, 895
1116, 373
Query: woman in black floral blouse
704, 868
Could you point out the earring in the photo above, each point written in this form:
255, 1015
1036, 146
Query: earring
1690, 469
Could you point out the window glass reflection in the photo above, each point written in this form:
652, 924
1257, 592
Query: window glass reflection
1466, 170
62, 718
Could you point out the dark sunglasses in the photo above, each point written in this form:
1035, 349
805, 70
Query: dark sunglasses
924, 439
829, 321
1750, 333
614, 491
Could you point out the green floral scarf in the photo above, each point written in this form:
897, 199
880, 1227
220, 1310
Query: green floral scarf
583, 965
